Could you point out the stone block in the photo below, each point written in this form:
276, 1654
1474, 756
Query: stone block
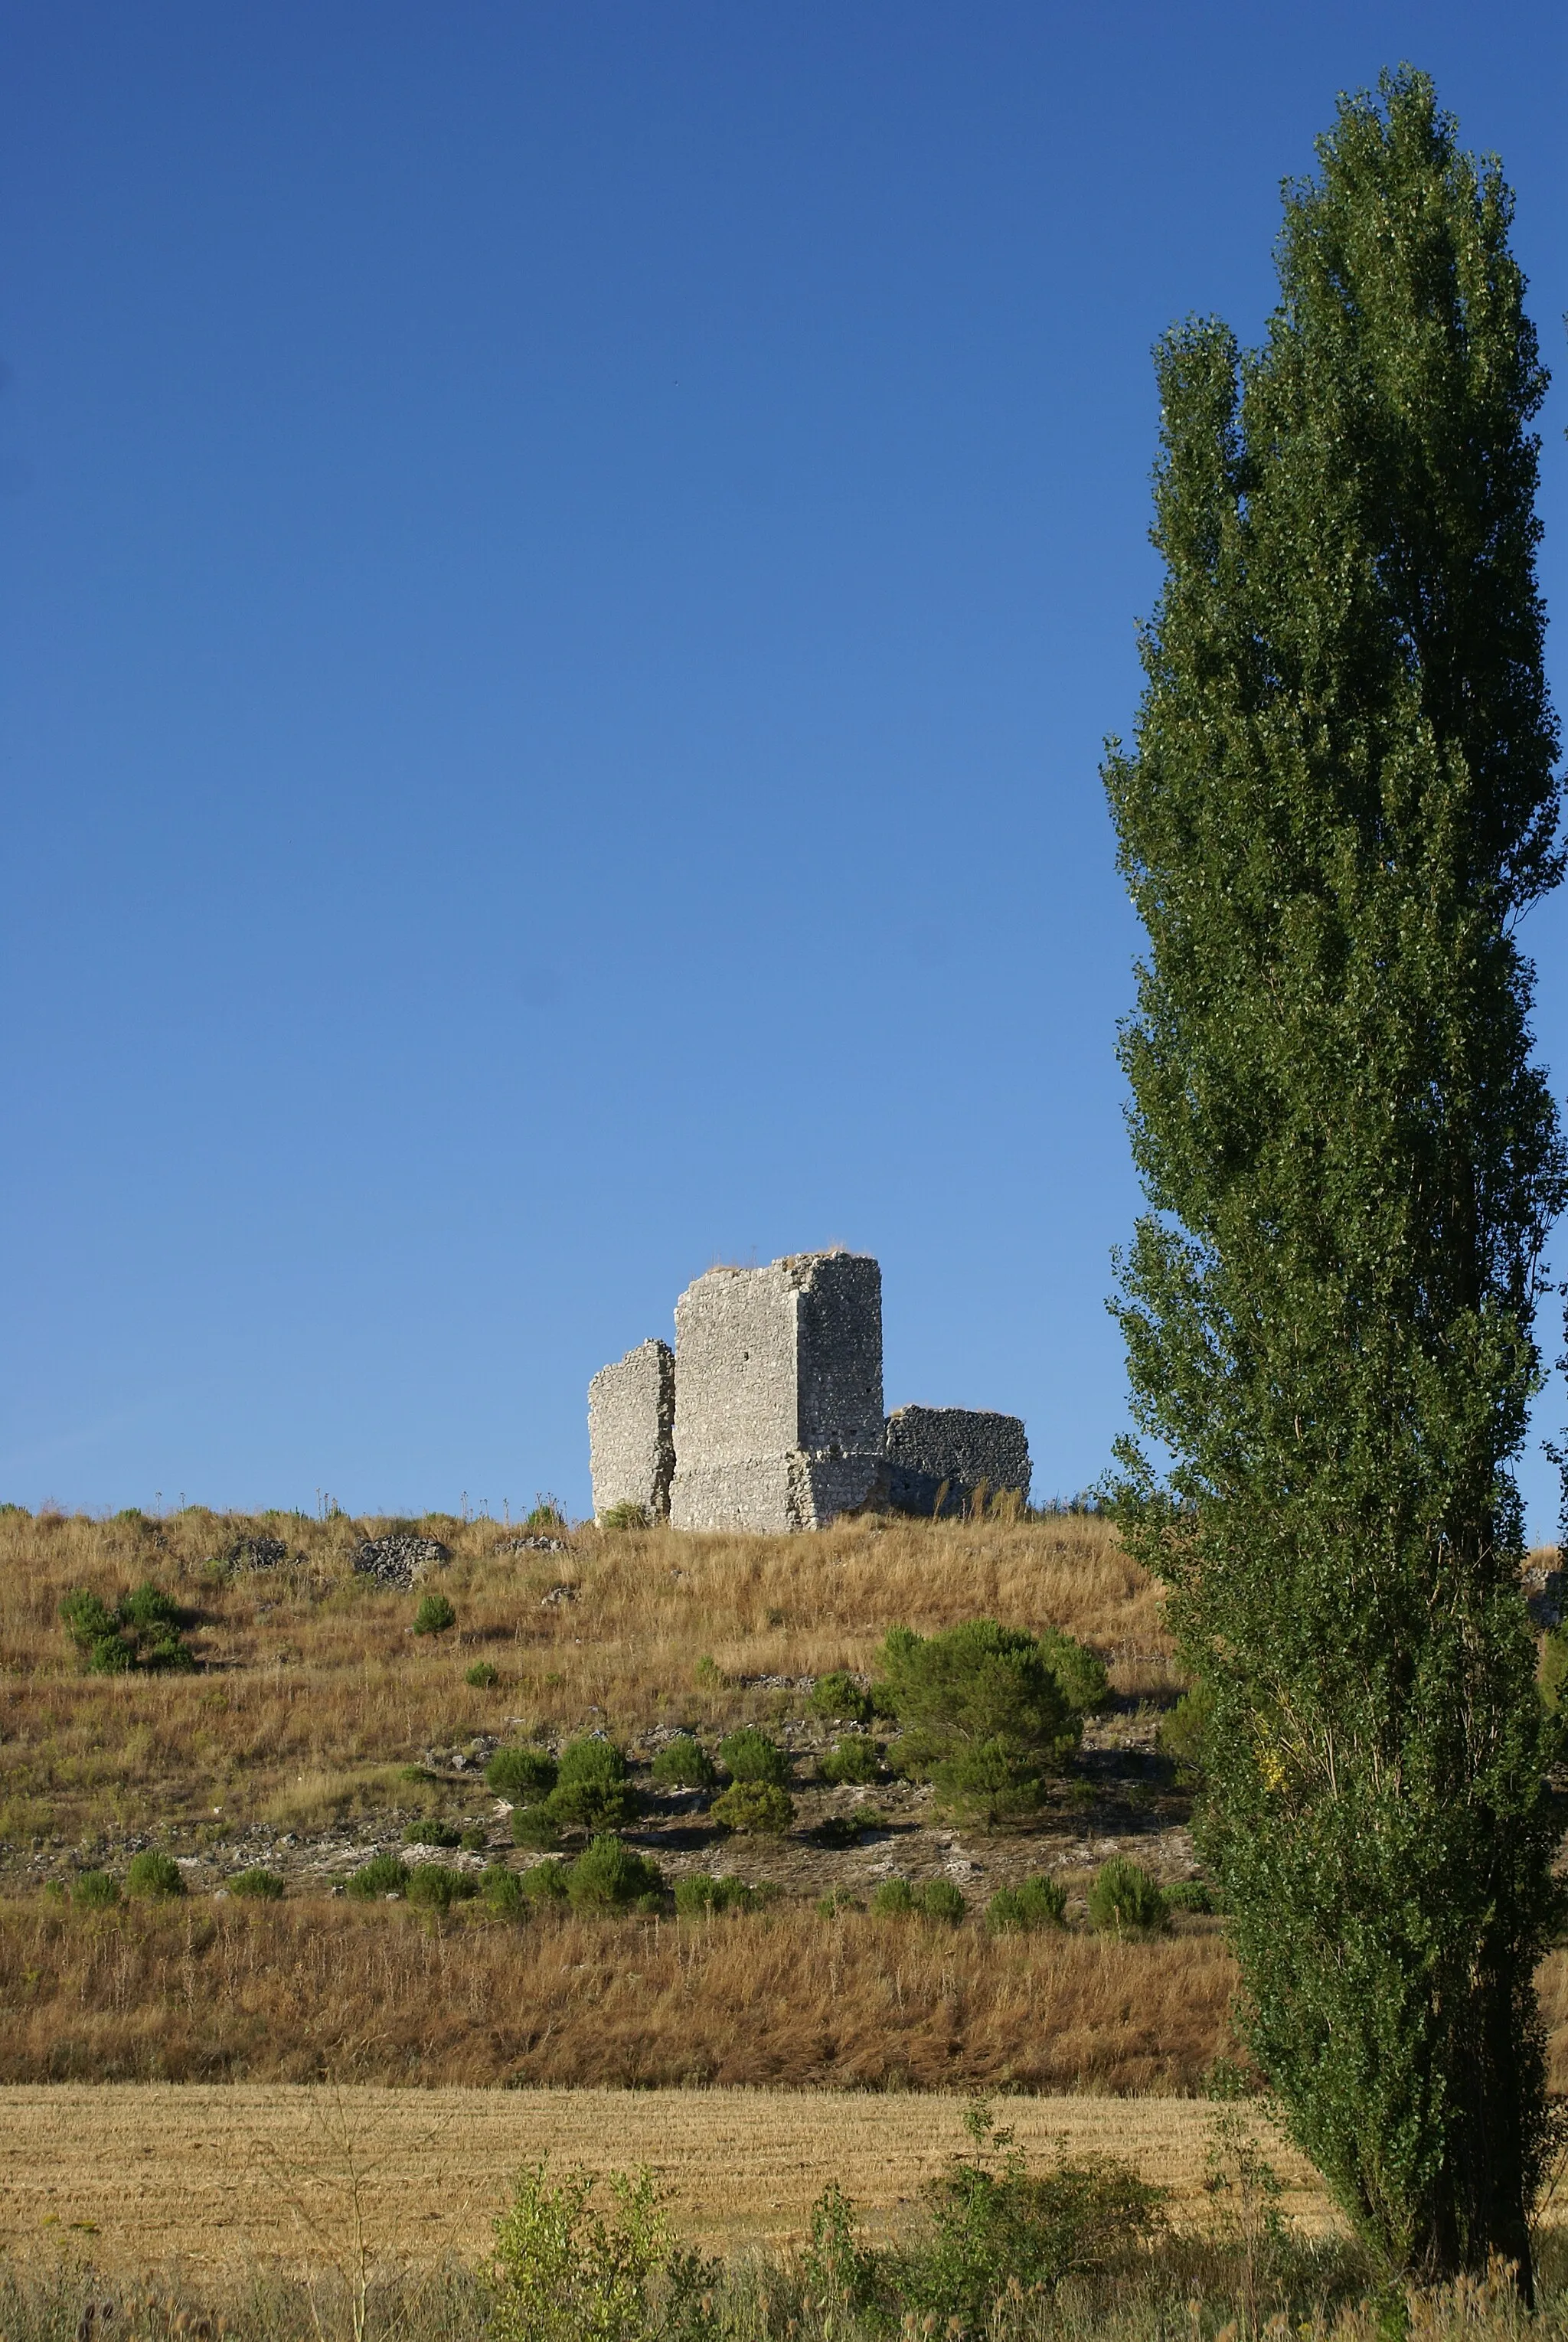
778, 1393
631, 1431
966, 1447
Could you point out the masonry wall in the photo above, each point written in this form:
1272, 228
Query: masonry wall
778, 1393
965, 1448
631, 1431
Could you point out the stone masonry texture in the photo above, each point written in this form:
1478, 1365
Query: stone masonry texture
631, 1431
966, 1447
778, 1393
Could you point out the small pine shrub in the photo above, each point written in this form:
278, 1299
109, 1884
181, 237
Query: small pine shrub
1080, 1671
150, 1610
94, 1890
840, 1699
853, 1759
545, 1883
111, 1656
1026, 1910
625, 1517
749, 1755
545, 1515
1181, 1732
591, 1789
143, 1627
382, 1875
1190, 1894
434, 1886
482, 1676
708, 1674
982, 1714
434, 1616
610, 1876
684, 1764
835, 1903
474, 1840
258, 1886
700, 1892
429, 1832
1123, 1900
534, 1826
894, 1899
154, 1875
940, 1899
525, 1775
502, 1893
167, 1653
754, 1808
88, 1618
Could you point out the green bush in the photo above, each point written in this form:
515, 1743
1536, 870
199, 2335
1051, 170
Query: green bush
1190, 1894
591, 1788
94, 1890
429, 1832
88, 1619
854, 1759
939, 1898
1080, 1671
546, 1883
700, 1891
708, 1674
482, 1676
893, 1900
257, 1884
434, 1886
837, 1698
565, 2272
502, 1893
545, 1515
154, 1875
525, 1775
167, 1651
474, 1839
749, 1755
534, 1826
754, 1808
1123, 1900
1026, 1910
1181, 1732
150, 1610
111, 1656
684, 1764
625, 1517
610, 1876
382, 1875
982, 1715
434, 1614
835, 1903
143, 1627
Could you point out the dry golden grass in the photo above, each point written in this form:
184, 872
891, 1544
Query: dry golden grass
287, 1992
140, 2177
310, 1683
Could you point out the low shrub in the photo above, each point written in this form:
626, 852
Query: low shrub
893, 1900
565, 2271
708, 1674
113, 1655
143, 1629
429, 1832
684, 1764
840, 1699
1080, 1671
749, 1755
482, 1676
434, 1886
525, 1775
856, 1759
257, 1884
1190, 1894
1181, 1732
94, 1890
1026, 1910
545, 1883
154, 1875
611, 1876
754, 1808
474, 1839
534, 1826
941, 1899
382, 1875
1123, 1900
434, 1614
502, 1893
839, 1830
625, 1517
591, 1788
150, 1610
835, 1903
700, 1891
982, 1714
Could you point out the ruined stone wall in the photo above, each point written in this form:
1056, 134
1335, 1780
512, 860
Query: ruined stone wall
631, 1431
778, 1393
966, 1447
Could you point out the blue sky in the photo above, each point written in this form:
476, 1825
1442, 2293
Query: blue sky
565, 569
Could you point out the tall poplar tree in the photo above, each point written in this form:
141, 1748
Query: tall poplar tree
1339, 799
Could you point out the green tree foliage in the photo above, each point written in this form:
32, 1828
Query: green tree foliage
838, 1698
525, 1775
257, 1884
143, 1629
1123, 1900
384, 1874
982, 1714
1025, 1909
755, 1809
611, 1876
684, 1764
1340, 800
154, 1875
592, 1787
433, 1615
748, 1754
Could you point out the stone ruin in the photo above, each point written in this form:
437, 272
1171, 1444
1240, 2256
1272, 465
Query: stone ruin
632, 1431
768, 1415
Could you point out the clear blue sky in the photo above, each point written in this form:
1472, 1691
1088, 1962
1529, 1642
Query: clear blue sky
566, 571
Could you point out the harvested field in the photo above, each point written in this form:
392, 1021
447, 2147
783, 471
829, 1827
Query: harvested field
135, 2177
289, 1991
